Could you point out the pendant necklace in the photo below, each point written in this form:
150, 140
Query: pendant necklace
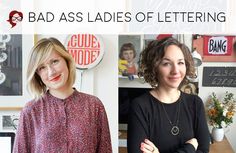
175, 129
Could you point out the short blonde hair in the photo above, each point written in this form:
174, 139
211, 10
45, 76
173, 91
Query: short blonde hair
39, 53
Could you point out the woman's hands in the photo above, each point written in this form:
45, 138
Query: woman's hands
148, 147
194, 142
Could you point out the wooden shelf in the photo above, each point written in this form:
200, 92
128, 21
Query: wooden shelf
122, 134
122, 150
10, 108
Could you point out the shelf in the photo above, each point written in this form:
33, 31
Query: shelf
10, 108
122, 138
126, 77
136, 83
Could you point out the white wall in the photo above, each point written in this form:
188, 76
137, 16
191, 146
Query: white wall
106, 84
205, 92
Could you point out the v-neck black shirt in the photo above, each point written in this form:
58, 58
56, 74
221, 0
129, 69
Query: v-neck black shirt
147, 119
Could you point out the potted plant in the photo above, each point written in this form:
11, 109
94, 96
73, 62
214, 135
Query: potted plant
220, 113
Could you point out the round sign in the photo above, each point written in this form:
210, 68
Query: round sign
2, 77
86, 49
3, 57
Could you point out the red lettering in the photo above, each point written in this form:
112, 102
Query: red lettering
94, 55
87, 57
79, 41
94, 42
74, 54
87, 41
84, 48
80, 57
72, 42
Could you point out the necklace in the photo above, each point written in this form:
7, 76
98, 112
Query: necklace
175, 129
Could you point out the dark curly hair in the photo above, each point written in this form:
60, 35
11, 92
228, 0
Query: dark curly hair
152, 55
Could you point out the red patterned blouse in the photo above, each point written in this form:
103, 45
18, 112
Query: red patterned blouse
77, 124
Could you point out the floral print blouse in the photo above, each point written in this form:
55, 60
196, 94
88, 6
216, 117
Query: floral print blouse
77, 124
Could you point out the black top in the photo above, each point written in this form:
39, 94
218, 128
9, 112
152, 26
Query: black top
148, 120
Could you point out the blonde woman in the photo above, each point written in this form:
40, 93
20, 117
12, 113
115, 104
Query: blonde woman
59, 119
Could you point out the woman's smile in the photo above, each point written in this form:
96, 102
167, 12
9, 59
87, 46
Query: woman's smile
55, 78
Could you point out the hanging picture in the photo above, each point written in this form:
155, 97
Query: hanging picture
215, 48
129, 49
218, 45
10, 64
9, 118
9, 122
13, 90
190, 88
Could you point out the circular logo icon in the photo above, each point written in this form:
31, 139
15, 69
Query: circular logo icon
86, 49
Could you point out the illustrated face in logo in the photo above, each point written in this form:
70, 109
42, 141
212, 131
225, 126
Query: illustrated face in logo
15, 17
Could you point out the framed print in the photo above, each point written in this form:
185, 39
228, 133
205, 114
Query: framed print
9, 122
129, 50
11, 64
15, 49
215, 48
9, 118
190, 88
218, 45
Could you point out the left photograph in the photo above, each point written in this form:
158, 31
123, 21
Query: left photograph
63, 106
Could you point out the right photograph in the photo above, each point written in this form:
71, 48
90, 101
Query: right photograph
176, 93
